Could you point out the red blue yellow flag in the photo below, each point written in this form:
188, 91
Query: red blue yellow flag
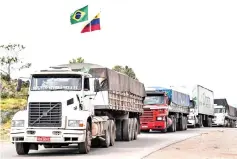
93, 25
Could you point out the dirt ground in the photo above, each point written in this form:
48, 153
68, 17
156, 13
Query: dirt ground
220, 144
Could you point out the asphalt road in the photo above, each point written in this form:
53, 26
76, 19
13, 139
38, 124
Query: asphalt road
146, 144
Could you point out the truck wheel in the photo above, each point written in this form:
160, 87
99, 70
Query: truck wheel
84, 147
185, 123
136, 129
210, 121
181, 124
175, 124
119, 133
171, 128
22, 148
112, 133
164, 130
126, 130
106, 142
132, 128
95, 143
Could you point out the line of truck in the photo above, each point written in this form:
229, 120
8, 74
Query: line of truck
70, 104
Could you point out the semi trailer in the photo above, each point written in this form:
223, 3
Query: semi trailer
71, 104
164, 110
225, 114
202, 110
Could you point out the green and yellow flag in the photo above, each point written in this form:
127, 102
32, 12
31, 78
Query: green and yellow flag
79, 15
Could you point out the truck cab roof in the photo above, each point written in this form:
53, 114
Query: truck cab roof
60, 70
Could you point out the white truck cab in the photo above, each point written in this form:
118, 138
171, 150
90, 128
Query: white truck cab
68, 106
59, 111
192, 117
220, 115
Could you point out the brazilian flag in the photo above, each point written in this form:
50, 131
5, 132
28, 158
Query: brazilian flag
79, 15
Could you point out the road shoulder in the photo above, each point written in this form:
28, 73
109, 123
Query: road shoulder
214, 144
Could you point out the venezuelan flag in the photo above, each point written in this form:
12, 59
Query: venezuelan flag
87, 28
95, 23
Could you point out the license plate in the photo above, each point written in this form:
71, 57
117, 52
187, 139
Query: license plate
43, 138
144, 126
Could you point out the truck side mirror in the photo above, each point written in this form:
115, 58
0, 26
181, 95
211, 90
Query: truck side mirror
19, 85
96, 85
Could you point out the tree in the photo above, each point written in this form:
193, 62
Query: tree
118, 68
12, 59
77, 60
126, 70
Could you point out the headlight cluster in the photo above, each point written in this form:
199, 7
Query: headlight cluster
18, 123
75, 123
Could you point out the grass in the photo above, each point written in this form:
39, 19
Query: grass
4, 131
8, 108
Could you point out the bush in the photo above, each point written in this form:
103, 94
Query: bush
4, 95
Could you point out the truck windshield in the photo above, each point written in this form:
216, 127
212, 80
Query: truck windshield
154, 100
52, 82
218, 110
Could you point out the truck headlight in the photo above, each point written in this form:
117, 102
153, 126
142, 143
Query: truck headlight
18, 123
159, 118
75, 123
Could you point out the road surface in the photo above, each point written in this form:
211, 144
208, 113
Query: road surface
146, 144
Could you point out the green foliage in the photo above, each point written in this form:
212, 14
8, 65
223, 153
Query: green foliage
77, 60
11, 100
8, 89
126, 70
11, 59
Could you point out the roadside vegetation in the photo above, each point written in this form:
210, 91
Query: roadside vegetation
11, 102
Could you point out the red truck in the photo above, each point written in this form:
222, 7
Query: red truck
164, 110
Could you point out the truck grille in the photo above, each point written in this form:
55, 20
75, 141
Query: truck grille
147, 116
45, 114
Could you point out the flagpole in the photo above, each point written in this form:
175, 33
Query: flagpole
100, 19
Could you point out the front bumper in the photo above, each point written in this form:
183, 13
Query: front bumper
52, 135
217, 123
154, 125
191, 123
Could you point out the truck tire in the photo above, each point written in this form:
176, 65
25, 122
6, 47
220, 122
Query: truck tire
185, 123
126, 130
175, 124
132, 128
136, 128
119, 133
164, 130
22, 148
112, 133
95, 143
85, 147
181, 123
107, 135
172, 127
210, 122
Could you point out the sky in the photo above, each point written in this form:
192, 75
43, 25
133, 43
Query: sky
167, 43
